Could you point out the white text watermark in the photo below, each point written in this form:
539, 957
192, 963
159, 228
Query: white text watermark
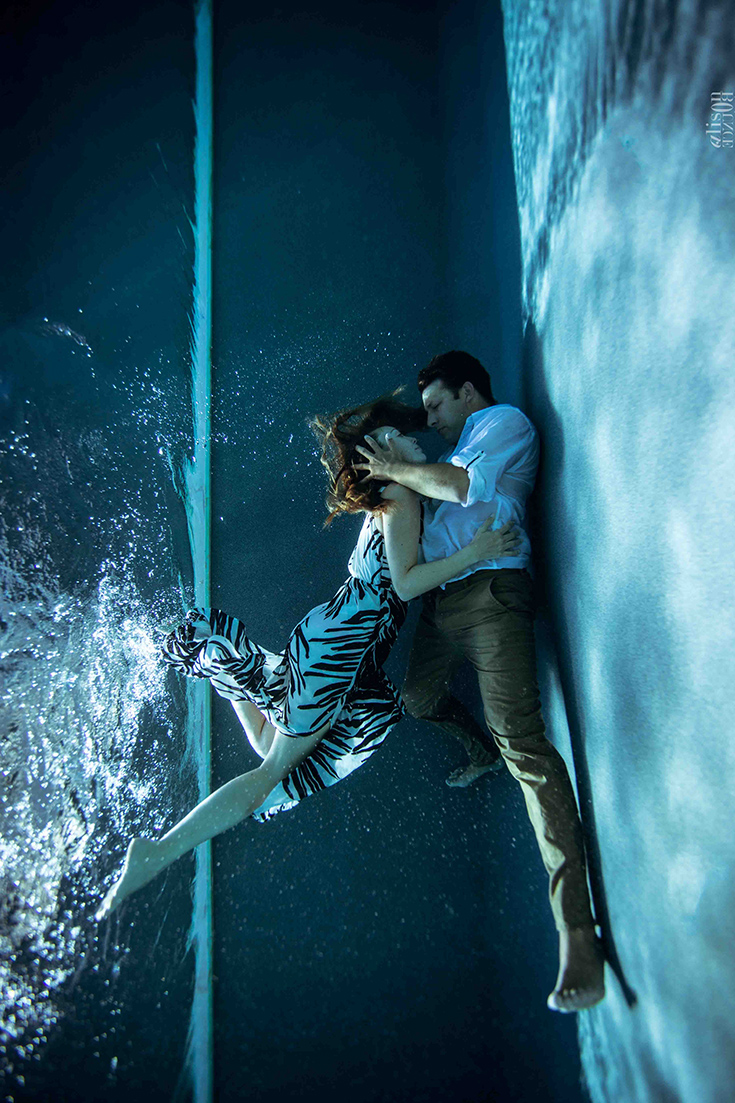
719, 127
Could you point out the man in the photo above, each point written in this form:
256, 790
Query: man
485, 616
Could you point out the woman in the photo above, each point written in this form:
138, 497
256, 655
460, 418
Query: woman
318, 710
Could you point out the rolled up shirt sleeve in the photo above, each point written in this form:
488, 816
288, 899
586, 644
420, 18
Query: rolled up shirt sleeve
493, 450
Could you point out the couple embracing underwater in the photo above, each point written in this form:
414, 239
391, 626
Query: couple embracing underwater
454, 532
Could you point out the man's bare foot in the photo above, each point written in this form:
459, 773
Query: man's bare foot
465, 775
142, 863
581, 980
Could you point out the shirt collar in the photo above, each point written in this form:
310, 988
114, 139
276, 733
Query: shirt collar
472, 421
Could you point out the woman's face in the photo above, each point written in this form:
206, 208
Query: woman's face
407, 447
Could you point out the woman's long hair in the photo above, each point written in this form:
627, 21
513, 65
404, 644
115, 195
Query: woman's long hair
339, 434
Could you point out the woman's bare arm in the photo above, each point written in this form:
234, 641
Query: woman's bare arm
401, 531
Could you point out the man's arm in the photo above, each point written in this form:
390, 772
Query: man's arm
431, 480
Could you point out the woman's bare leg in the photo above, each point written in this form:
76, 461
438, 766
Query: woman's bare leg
221, 810
260, 732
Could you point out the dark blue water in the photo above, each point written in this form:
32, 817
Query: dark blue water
388, 940
97, 178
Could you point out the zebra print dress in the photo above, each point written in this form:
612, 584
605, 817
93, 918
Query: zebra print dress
329, 673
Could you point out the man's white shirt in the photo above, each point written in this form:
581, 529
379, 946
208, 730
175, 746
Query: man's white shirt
499, 451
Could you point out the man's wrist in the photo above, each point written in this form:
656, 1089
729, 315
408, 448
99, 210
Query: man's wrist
395, 469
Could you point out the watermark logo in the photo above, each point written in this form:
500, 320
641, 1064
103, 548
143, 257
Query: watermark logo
720, 125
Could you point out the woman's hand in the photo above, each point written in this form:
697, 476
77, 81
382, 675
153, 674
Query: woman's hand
497, 544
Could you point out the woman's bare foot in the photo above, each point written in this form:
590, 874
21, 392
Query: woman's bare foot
142, 863
581, 980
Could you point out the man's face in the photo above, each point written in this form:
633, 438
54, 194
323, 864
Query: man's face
445, 413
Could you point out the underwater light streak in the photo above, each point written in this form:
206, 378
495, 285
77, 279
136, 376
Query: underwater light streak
199, 1053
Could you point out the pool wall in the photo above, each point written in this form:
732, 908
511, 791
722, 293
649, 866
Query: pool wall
621, 121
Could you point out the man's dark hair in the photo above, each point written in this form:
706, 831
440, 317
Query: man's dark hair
455, 368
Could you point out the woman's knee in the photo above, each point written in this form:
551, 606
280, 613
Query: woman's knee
286, 752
